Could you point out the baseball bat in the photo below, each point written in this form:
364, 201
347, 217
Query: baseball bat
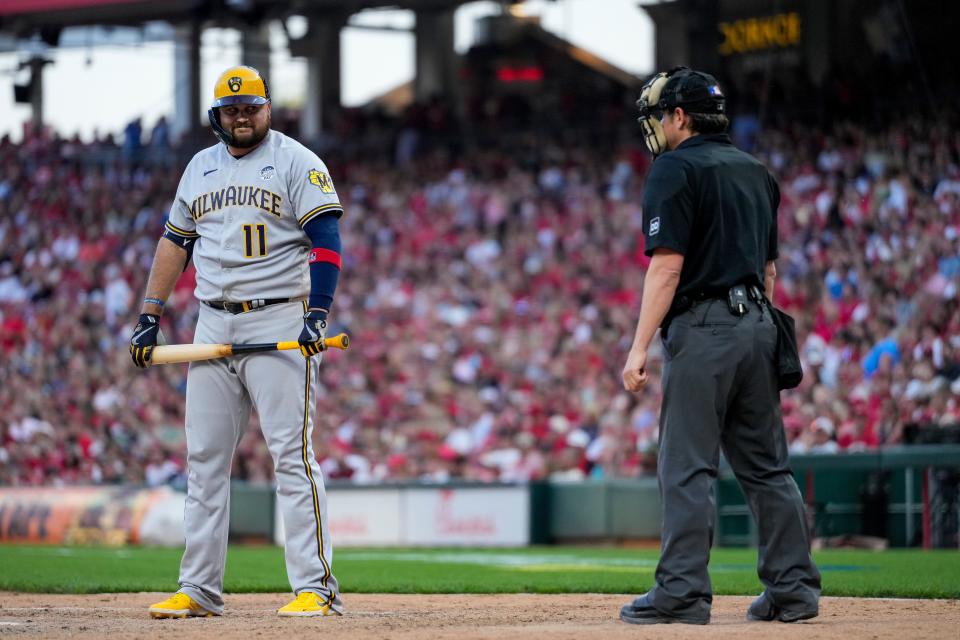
171, 353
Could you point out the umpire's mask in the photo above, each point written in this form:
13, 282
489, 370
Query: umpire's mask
695, 91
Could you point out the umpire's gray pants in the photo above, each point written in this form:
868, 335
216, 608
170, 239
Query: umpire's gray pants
719, 390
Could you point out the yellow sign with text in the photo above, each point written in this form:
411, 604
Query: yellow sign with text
780, 31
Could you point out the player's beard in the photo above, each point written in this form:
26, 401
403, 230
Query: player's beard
250, 138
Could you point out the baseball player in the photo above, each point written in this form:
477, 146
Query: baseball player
259, 215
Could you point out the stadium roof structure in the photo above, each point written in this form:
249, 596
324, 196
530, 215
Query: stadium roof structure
27, 20
24, 16
504, 33
436, 62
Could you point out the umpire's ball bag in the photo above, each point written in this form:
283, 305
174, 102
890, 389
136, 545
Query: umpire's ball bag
789, 372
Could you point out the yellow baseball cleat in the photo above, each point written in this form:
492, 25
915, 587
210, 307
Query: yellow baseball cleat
308, 604
179, 605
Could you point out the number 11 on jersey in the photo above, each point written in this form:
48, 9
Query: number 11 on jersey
254, 247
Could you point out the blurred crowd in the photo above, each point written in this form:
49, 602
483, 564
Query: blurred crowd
491, 298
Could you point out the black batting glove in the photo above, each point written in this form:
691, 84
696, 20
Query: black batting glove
314, 332
146, 336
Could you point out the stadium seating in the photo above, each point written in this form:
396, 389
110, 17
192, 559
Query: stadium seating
491, 298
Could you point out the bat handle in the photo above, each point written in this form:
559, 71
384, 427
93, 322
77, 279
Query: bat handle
339, 341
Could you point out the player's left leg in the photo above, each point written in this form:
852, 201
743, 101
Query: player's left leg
283, 386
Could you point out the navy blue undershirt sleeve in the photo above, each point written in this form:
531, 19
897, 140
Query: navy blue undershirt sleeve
324, 234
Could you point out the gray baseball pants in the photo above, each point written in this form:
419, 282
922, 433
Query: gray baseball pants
719, 391
282, 387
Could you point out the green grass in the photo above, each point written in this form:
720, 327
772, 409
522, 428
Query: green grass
897, 573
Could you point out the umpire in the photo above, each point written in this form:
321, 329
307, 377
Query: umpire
710, 219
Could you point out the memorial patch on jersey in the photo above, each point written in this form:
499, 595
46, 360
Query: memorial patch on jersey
236, 197
267, 172
320, 179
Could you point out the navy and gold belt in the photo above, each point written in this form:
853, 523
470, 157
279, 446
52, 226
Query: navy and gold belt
243, 307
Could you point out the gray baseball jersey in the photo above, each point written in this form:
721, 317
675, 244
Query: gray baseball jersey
246, 215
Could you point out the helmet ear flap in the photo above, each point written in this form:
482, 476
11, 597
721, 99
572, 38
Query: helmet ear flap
213, 114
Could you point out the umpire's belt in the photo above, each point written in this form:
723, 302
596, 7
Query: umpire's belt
243, 307
682, 304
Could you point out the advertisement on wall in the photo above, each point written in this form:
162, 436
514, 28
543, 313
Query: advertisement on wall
469, 517
365, 518
91, 515
427, 516
482, 516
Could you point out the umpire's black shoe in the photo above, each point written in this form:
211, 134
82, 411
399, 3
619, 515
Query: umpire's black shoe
642, 611
764, 610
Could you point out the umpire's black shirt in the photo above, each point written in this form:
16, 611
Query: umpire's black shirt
717, 206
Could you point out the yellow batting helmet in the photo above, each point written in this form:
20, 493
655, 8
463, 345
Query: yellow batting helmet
240, 85
236, 85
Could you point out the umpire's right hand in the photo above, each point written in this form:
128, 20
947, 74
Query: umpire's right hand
146, 335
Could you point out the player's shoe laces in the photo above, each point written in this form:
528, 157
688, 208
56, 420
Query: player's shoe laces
308, 604
179, 605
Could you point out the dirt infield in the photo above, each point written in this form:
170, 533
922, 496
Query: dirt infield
459, 617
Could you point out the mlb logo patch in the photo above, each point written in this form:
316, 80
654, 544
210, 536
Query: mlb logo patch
654, 227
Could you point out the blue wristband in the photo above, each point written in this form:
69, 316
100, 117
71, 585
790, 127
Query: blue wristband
156, 301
